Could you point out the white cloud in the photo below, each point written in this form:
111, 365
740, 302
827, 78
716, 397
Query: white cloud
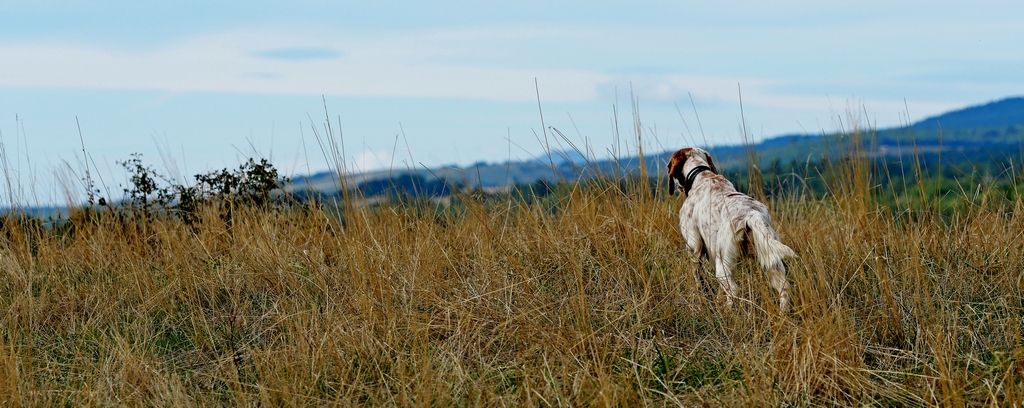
230, 63
434, 64
459, 63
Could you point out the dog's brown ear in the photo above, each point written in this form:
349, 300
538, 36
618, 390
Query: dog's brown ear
671, 180
675, 169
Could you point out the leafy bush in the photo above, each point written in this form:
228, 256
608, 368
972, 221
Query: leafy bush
253, 183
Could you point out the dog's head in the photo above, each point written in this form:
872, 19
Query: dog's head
682, 161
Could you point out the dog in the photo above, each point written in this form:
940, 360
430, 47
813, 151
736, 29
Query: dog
721, 224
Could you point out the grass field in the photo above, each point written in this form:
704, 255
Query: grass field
584, 298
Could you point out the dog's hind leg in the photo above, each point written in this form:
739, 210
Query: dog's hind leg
701, 281
699, 255
770, 254
777, 278
723, 271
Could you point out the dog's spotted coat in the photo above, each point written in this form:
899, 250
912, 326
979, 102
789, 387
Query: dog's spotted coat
722, 224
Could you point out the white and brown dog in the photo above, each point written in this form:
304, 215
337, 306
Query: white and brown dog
723, 224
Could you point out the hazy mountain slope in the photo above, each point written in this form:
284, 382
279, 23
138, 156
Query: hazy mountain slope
979, 133
997, 114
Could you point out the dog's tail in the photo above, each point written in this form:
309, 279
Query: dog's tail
770, 252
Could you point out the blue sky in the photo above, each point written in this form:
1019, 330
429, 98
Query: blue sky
201, 85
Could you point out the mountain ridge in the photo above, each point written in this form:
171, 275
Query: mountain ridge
977, 131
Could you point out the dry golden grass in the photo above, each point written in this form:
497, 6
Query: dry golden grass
587, 301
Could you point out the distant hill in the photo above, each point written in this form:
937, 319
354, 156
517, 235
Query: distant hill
1001, 113
560, 157
978, 133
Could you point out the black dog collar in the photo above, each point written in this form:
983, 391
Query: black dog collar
692, 176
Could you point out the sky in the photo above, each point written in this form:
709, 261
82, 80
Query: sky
199, 85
